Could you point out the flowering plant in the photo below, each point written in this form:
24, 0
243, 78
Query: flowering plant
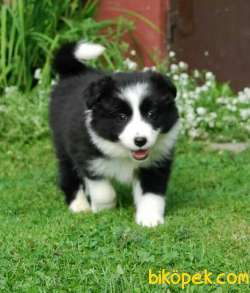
209, 110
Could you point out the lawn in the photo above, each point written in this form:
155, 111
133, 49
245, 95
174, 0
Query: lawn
45, 248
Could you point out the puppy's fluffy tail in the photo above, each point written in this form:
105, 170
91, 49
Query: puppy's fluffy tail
70, 57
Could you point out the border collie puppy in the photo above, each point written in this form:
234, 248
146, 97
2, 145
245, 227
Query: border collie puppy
112, 125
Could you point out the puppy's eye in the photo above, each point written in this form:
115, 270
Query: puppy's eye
122, 117
150, 114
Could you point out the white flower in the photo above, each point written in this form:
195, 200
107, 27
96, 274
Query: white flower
201, 111
209, 75
231, 108
209, 83
190, 117
146, 68
247, 127
198, 90
184, 76
243, 98
222, 100
247, 91
9, 90
174, 68
213, 115
204, 88
3, 109
133, 52
229, 119
234, 101
53, 82
194, 133
211, 124
245, 114
193, 95
176, 77
171, 54
196, 73
183, 82
130, 64
38, 73
183, 65
185, 95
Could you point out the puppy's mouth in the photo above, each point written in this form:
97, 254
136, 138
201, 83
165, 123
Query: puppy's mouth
140, 155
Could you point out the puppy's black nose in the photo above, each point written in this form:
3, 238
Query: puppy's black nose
140, 141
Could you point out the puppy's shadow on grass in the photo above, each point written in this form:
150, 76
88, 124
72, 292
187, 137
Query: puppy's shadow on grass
124, 195
174, 202
177, 199
186, 199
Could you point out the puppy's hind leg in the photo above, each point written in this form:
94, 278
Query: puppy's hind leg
73, 188
102, 194
80, 202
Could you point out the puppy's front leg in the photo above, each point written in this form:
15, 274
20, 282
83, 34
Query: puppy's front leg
102, 194
150, 207
149, 194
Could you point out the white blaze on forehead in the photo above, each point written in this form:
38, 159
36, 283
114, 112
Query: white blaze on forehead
134, 94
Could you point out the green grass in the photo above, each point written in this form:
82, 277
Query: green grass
45, 248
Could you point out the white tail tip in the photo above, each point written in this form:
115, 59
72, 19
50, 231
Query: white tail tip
88, 51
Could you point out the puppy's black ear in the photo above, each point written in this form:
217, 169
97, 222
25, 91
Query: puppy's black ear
164, 85
99, 89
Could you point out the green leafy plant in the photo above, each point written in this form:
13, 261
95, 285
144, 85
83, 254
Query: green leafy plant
30, 31
210, 110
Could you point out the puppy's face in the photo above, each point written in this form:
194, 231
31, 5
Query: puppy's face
127, 112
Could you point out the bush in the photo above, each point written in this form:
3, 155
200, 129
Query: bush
24, 117
209, 109
31, 30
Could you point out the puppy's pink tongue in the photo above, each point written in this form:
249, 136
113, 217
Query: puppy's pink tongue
140, 155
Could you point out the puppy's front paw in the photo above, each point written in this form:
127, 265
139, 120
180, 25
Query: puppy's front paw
150, 211
149, 219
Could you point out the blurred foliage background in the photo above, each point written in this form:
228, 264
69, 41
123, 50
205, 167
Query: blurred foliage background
30, 31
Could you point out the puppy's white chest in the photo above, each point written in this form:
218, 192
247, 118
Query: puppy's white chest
117, 168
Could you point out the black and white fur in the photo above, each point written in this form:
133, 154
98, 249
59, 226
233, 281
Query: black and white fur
112, 125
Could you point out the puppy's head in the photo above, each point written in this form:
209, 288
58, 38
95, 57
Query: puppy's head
128, 111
